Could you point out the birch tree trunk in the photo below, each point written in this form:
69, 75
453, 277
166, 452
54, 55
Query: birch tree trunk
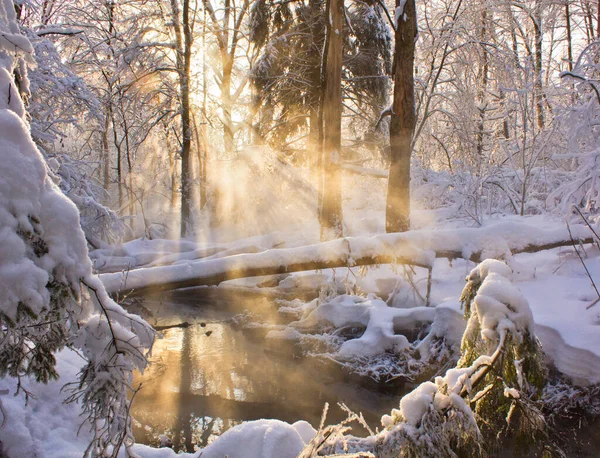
183, 43
539, 96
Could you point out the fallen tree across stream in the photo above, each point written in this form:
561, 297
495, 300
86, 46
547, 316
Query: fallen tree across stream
417, 248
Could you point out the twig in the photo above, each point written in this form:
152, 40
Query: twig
584, 79
2, 410
592, 304
185, 324
588, 224
429, 281
584, 266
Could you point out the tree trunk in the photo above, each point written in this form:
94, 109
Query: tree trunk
173, 175
183, 42
484, 78
346, 252
313, 145
119, 155
331, 108
403, 121
589, 22
226, 100
539, 96
204, 129
201, 159
569, 36
106, 152
315, 140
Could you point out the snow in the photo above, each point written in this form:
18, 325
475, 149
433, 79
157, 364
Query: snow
572, 343
419, 247
156, 252
400, 11
46, 427
44, 262
261, 438
372, 313
496, 304
414, 405
33, 195
499, 305
547, 294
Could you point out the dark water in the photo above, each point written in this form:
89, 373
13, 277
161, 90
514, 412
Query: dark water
210, 376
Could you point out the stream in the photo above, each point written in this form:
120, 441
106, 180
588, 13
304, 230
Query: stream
210, 376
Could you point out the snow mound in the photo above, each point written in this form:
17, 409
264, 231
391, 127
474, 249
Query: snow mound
379, 320
261, 439
498, 307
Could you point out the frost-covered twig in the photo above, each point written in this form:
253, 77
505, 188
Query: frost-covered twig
585, 80
584, 266
335, 432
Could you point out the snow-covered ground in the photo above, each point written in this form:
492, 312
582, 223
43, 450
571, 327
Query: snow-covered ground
554, 282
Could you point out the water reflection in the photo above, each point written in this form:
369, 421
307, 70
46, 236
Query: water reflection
209, 377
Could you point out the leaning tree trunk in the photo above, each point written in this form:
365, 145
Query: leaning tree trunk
403, 121
331, 109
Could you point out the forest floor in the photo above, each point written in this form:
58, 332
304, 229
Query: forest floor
557, 283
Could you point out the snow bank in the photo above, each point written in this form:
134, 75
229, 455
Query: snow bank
46, 427
261, 439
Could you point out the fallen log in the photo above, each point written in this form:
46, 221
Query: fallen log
417, 248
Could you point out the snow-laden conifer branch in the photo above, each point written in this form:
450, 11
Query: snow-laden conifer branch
43, 263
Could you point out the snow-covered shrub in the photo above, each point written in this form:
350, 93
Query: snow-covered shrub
579, 166
503, 189
491, 393
49, 297
100, 224
501, 354
564, 401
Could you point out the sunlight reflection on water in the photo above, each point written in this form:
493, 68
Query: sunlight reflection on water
205, 379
